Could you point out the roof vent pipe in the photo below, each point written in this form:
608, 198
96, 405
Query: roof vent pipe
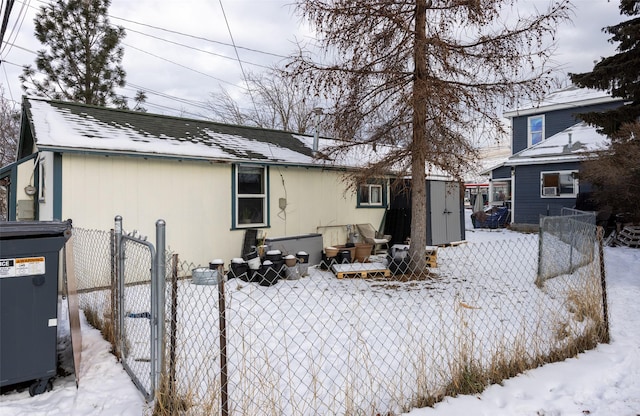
569, 139
318, 112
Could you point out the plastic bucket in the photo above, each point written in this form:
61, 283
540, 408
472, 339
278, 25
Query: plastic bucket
344, 256
303, 257
290, 260
267, 274
273, 255
240, 269
204, 276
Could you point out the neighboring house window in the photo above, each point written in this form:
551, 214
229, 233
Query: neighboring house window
559, 184
535, 129
371, 195
251, 196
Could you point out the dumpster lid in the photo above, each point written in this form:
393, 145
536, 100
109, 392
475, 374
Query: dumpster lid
21, 229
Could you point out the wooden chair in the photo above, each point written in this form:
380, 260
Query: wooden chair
379, 241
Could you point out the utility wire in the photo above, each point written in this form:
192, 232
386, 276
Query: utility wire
244, 76
26, 5
22, 14
192, 47
193, 103
180, 65
200, 37
5, 18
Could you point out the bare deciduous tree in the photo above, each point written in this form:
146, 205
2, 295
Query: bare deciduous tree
419, 75
270, 102
9, 130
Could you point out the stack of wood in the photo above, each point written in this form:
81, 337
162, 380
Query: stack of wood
628, 236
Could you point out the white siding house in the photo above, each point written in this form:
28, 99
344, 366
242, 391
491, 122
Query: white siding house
208, 181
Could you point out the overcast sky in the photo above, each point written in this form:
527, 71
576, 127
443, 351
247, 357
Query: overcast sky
180, 51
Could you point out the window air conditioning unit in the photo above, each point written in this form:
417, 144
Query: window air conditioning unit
550, 191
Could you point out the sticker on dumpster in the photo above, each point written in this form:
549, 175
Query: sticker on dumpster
26, 266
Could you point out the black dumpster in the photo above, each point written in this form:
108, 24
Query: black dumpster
29, 263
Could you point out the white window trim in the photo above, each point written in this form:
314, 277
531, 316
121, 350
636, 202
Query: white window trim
238, 196
370, 204
529, 141
576, 184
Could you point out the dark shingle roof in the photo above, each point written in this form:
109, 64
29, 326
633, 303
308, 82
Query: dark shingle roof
73, 126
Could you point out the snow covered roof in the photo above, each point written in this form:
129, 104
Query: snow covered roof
573, 143
565, 98
64, 126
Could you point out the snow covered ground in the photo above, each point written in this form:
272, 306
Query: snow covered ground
603, 381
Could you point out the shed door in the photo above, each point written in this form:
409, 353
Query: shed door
445, 212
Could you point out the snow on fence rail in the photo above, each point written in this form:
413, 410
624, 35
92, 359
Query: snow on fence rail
378, 345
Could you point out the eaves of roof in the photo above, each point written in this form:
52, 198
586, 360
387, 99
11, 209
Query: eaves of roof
570, 97
543, 160
73, 127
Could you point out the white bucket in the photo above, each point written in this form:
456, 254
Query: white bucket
254, 263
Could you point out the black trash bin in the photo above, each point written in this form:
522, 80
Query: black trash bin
29, 263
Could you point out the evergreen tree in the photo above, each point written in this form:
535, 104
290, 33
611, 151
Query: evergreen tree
618, 73
615, 172
82, 58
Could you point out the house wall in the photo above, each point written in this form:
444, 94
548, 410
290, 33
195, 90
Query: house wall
528, 204
195, 200
503, 172
554, 122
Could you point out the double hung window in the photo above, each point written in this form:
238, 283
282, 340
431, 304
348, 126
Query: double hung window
535, 129
250, 196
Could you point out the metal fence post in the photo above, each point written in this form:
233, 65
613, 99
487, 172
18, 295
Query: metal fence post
160, 275
119, 263
173, 326
603, 284
218, 265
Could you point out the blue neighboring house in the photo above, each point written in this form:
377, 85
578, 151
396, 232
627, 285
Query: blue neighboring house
548, 143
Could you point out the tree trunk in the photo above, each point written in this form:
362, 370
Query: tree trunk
418, 151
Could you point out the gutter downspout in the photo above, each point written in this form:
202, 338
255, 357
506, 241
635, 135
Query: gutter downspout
513, 195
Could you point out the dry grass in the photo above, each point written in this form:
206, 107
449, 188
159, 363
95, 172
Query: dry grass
106, 328
467, 375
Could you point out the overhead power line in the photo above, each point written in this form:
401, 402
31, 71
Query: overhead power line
191, 47
26, 5
200, 37
244, 76
180, 65
5, 19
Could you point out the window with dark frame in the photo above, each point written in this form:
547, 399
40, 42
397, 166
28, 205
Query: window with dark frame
251, 196
370, 195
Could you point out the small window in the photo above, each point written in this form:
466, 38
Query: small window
370, 195
251, 196
535, 129
559, 184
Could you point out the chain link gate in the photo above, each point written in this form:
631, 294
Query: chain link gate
140, 305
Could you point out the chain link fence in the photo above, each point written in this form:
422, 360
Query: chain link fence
95, 269
567, 242
134, 325
379, 337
